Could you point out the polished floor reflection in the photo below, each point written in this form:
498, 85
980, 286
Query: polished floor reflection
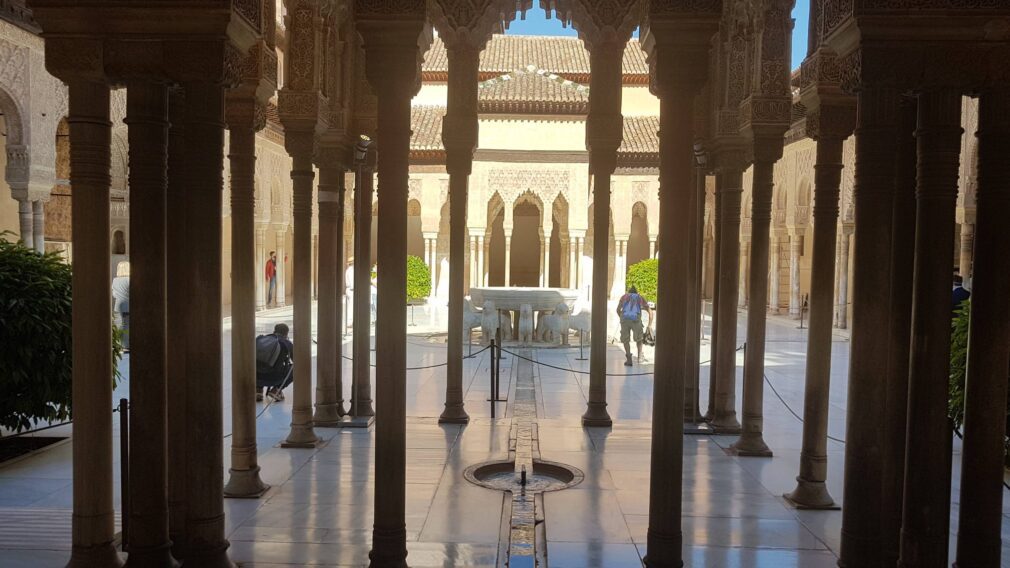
318, 511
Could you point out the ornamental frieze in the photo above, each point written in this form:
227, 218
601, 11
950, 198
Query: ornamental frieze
546, 185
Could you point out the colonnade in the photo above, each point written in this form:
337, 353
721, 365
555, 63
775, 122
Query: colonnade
907, 131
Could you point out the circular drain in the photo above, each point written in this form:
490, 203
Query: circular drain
546, 476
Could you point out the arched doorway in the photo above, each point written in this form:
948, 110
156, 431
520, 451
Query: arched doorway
560, 253
527, 235
638, 240
415, 238
496, 241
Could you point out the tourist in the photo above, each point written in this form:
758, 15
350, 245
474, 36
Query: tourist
629, 309
273, 363
121, 301
271, 274
959, 295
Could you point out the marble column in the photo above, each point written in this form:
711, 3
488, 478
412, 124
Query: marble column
980, 518
176, 296
93, 514
926, 519
548, 229
620, 266
692, 393
965, 251
899, 340
843, 278
603, 137
652, 247
751, 441
244, 474
300, 146
481, 259
431, 258
391, 67
39, 226
508, 256
459, 135
724, 350
280, 246
206, 544
876, 130
773, 277
745, 255
573, 262
676, 83
795, 252
25, 218
147, 121
329, 405
811, 491
260, 267
713, 348
361, 325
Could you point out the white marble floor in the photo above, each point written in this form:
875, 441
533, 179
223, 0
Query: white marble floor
318, 511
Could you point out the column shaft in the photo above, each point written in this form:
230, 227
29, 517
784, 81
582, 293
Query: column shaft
389, 534
874, 194
328, 408
896, 378
744, 261
795, 298
724, 348
843, 279
90, 160
713, 347
508, 257
811, 490
547, 257
176, 295
205, 540
25, 219
302, 175
926, 519
978, 541
147, 119
39, 226
965, 253
361, 388
751, 441
596, 412
665, 537
692, 399
244, 479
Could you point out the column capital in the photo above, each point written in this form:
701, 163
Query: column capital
393, 48
244, 110
300, 143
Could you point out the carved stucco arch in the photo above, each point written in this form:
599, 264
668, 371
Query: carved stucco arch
17, 169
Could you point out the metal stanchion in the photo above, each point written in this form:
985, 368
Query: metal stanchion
582, 342
411, 324
124, 469
803, 309
491, 396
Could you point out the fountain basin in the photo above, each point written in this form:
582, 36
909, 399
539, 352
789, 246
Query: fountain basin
502, 476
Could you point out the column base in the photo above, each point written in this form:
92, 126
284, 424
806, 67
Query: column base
697, 428
327, 415
95, 557
751, 446
301, 436
596, 416
454, 414
810, 495
726, 424
245, 484
365, 410
155, 557
209, 559
349, 421
389, 548
664, 551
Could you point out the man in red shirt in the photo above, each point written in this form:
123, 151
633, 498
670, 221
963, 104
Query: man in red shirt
629, 309
271, 274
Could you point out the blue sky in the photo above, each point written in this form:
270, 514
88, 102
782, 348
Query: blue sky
536, 23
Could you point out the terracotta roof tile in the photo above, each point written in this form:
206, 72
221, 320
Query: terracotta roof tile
532, 90
561, 55
640, 132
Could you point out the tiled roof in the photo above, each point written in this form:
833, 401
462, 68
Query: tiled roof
533, 91
640, 132
566, 56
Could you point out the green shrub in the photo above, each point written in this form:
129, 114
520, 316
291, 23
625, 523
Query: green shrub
35, 337
958, 362
644, 276
418, 279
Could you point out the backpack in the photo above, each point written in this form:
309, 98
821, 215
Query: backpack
268, 350
632, 308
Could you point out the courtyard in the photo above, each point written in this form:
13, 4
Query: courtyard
319, 508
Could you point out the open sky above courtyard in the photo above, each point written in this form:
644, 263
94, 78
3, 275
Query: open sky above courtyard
537, 23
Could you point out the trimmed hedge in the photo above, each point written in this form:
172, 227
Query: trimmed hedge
36, 357
418, 279
644, 276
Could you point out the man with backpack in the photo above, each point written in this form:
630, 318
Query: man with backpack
629, 309
273, 363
